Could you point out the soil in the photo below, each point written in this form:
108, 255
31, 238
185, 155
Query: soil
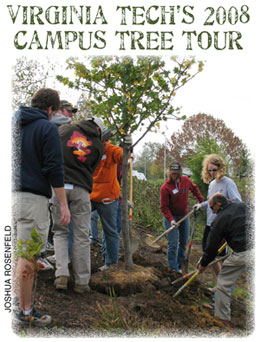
139, 303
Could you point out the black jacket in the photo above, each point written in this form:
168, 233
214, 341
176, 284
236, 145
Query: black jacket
37, 155
232, 225
82, 152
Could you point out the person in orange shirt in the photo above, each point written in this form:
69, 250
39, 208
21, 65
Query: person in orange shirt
104, 198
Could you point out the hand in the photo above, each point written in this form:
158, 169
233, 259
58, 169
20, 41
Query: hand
128, 139
201, 269
173, 223
64, 215
197, 206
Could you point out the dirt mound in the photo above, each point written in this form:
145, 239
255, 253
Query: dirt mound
123, 282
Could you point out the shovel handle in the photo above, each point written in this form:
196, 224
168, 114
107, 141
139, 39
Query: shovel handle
173, 227
197, 273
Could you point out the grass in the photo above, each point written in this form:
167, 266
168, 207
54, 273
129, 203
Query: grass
115, 318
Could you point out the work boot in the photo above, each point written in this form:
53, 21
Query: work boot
81, 288
225, 322
61, 283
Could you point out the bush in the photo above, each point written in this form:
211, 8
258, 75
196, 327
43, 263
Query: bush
146, 197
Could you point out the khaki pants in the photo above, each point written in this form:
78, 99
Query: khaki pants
232, 268
31, 211
80, 209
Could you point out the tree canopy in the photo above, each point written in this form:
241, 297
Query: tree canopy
131, 94
203, 127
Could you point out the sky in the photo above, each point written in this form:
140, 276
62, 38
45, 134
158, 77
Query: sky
228, 87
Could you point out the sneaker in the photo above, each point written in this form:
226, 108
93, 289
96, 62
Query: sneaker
81, 288
103, 268
34, 318
212, 290
49, 247
44, 264
61, 283
51, 259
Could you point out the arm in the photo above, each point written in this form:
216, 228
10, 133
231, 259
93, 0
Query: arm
215, 237
165, 204
64, 210
232, 192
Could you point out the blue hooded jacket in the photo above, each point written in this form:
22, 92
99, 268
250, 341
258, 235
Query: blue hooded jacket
38, 161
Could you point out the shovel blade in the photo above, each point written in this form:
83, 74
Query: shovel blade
148, 240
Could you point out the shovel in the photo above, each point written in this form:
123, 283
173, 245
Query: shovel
197, 272
151, 242
185, 263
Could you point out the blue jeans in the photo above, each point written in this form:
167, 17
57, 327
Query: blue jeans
108, 217
94, 234
119, 218
177, 242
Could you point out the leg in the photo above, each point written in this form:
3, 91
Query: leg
70, 238
231, 270
108, 216
172, 245
184, 231
60, 240
80, 212
119, 217
30, 210
94, 227
25, 280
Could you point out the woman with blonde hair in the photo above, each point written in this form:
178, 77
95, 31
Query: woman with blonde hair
213, 173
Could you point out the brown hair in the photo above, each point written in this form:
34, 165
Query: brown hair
215, 160
44, 98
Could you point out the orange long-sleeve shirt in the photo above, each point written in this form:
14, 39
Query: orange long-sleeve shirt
105, 184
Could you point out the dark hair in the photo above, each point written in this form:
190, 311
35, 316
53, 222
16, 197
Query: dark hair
219, 198
44, 98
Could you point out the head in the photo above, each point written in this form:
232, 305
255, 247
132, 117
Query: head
47, 100
174, 171
217, 202
67, 109
213, 167
105, 132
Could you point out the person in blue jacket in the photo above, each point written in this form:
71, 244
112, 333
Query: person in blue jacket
37, 169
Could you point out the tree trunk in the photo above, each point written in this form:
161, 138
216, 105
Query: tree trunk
125, 217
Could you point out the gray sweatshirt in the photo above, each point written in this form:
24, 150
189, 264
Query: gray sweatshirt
59, 119
226, 187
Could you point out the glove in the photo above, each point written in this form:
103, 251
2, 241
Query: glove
173, 223
128, 139
197, 206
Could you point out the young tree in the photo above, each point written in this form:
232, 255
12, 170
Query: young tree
130, 95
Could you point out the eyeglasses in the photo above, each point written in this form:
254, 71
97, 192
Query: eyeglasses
212, 170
